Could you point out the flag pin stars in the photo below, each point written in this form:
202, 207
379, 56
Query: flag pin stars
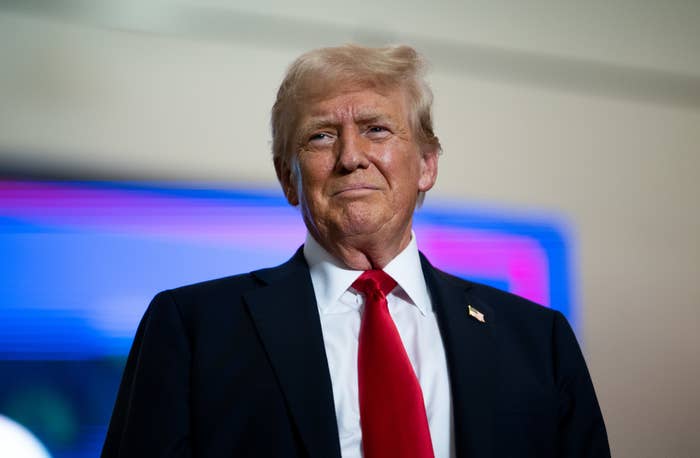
474, 313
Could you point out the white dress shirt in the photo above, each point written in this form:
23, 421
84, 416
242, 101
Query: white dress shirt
340, 309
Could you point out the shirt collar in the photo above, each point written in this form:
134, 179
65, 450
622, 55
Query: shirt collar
331, 278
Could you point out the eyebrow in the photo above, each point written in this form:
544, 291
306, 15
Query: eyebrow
367, 117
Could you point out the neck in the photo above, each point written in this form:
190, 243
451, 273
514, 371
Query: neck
364, 252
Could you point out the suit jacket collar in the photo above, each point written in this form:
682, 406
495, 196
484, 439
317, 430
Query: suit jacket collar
471, 359
285, 315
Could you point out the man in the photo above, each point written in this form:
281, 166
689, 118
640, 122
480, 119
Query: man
356, 346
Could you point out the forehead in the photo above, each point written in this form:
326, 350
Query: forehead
357, 104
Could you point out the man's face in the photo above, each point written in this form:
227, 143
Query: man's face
358, 169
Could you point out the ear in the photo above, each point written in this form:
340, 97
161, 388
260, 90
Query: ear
286, 177
428, 167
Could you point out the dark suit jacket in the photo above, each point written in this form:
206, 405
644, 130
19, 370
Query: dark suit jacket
236, 367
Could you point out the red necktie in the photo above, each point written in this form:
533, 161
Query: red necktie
392, 411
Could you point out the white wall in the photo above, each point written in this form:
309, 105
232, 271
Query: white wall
592, 111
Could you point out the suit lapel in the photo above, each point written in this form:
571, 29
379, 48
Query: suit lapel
471, 359
286, 317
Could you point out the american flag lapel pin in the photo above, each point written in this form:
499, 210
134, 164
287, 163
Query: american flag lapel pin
474, 313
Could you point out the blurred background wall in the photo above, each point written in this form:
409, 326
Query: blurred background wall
591, 110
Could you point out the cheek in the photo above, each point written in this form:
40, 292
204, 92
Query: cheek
408, 172
315, 171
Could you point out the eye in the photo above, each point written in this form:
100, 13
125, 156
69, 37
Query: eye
319, 139
377, 132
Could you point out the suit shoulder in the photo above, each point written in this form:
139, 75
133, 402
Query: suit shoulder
229, 289
504, 303
507, 302
217, 286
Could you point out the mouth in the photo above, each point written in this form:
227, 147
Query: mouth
355, 190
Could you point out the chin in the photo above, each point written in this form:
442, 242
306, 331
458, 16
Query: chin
358, 225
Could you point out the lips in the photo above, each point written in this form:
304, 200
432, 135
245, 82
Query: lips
355, 189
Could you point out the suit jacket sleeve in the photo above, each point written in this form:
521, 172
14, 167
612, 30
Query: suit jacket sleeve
581, 427
151, 414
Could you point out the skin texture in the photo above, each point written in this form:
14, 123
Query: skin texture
357, 175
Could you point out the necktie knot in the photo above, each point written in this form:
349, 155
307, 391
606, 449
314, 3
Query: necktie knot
376, 281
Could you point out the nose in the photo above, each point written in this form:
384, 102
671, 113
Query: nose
352, 151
